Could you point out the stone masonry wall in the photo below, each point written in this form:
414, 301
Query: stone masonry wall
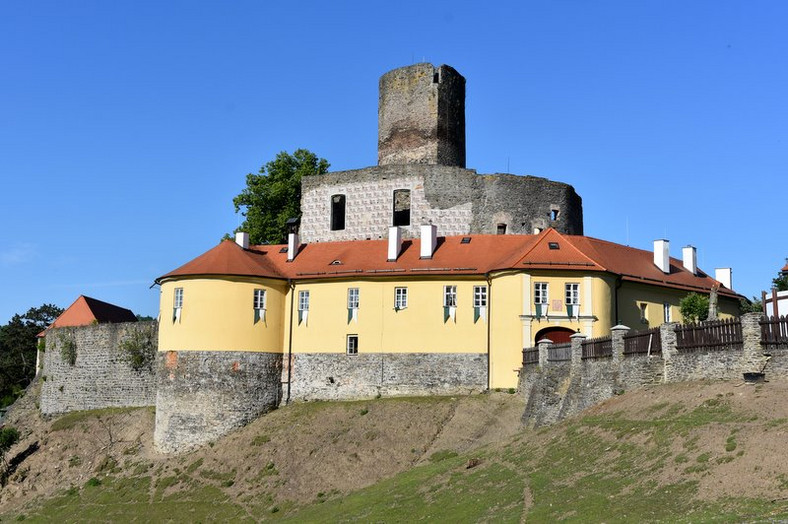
332, 376
457, 200
203, 395
101, 375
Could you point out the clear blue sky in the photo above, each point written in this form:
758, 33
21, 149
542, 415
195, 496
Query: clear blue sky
126, 127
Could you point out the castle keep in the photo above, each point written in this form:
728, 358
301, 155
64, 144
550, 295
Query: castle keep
421, 176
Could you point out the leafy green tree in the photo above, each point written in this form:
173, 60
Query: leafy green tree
694, 308
274, 195
18, 349
750, 306
780, 282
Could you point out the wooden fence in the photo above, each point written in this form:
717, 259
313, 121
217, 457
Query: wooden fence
598, 347
774, 332
560, 352
530, 356
717, 335
648, 342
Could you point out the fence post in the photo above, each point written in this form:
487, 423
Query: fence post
752, 358
544, 346
577, 350
667, 335
617, 341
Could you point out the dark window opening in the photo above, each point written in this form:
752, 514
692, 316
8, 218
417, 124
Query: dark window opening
401, 207
337, 212
501, 229
436, 78
465, 240
553, 245
554, 214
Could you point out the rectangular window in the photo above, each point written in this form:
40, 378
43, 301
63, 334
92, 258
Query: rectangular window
303, 300
643, 314
540, 293
352, 345
352, 298
572, 296
449, 296
259, 299
479, 296
666, 312
400, 297
177, 301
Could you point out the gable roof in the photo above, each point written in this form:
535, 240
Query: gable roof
85, 311
477, 255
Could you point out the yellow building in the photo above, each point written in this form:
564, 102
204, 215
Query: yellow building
360, 318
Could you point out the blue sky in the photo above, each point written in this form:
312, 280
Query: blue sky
127, 127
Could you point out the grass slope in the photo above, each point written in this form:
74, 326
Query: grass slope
684, 453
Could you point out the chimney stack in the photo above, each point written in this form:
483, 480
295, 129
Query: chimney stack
429, 239
662, 255
724, 275
242, 239
293, 244
689, 256
395, 243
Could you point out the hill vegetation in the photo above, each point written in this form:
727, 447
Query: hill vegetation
687, 452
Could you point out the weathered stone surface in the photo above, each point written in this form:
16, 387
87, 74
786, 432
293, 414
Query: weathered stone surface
203, 395
332, 376
101, 376
457, 200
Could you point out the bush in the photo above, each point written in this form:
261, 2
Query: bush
139, 347
694, 308
68, 348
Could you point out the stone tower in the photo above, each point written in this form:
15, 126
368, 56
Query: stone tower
421, 116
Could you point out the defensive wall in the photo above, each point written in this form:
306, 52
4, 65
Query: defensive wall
99, 366
560, 381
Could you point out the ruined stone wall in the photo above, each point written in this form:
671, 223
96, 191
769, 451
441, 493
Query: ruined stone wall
457, 200
332, 376
203, 395
101, 374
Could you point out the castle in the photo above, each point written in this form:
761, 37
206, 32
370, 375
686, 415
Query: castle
416, 276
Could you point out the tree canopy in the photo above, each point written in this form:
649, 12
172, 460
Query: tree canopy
18, 349
780, 282
274, 195
694, 308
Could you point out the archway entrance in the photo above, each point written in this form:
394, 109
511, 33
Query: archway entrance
558, 335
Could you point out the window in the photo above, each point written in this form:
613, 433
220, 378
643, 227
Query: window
352, 298
643, 316
449, 296
500, 229
259, 299
572, 294
303, 300
400, 297
401, 207
554, 214
540, 293
666, 312
352, 345
177, 301
479, 296
337, 212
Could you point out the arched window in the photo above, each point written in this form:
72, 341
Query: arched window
401, 207
337, 212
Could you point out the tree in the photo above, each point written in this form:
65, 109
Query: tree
274, 195
750, 306
780, 282
18, 349
694, 308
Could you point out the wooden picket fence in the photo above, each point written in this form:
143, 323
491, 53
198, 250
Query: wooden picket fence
648, 342
598, 347
530, 356
716, 335
560, 352
774, 332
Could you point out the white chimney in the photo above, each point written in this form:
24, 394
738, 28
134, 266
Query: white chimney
429, 239
395, 243
242, 239
662, 255
689, 256
293, 244
724, 275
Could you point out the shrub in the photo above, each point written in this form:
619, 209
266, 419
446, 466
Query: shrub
68, 348
139, 347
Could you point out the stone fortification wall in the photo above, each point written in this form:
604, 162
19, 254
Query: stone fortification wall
203, 395
554, 391
457, 200
87, 368
331, 376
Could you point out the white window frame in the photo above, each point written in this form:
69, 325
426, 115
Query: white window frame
449, 296
177, 298
259, 298
353, 298
351, 345
666, 312
572, 294
479, 296
541, 293
303, 300
400, 298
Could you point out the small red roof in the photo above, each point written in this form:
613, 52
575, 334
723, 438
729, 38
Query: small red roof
454, 255
85, 311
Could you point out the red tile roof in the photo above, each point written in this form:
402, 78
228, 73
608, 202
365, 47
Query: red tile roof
483, 254
85, 311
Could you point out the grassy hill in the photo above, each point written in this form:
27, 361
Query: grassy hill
690, 452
